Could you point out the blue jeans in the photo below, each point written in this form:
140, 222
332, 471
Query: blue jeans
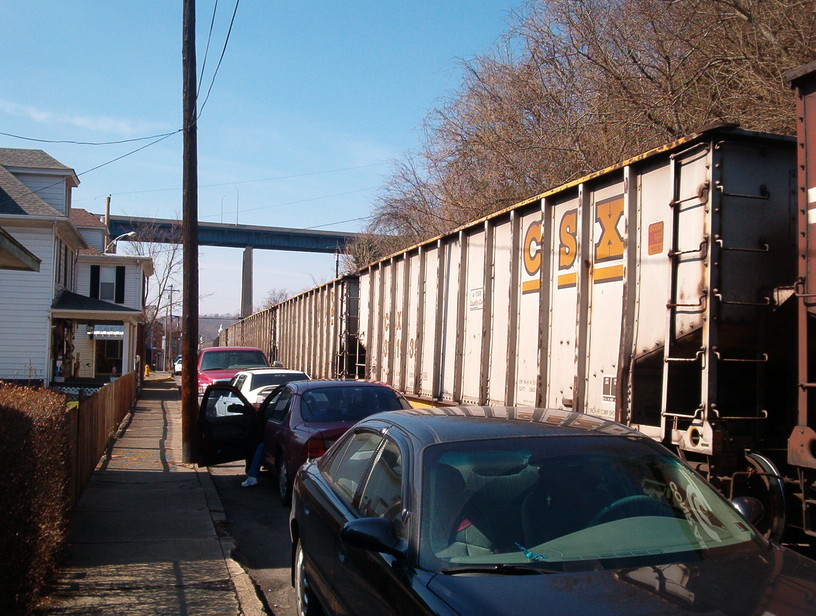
255, 465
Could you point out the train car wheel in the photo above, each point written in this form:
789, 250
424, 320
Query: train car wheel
767, 485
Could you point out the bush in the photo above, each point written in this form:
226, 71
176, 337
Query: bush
33, 492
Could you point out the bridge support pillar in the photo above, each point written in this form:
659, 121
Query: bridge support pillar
246, 283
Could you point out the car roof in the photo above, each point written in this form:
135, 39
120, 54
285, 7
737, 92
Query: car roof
231, 348
465, 423
269, 371
320, 383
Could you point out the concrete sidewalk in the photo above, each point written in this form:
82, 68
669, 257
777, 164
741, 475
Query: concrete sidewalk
148, 534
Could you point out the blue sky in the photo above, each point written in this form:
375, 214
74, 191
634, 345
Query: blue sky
311, 102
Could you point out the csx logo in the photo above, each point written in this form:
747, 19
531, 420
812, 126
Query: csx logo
608, 247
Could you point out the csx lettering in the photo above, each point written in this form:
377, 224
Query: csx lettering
532, 249
610, 245
568, 238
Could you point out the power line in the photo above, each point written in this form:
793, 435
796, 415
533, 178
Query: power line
207, 48
218, 66
265, 207
71, 142
270, 179
339, 222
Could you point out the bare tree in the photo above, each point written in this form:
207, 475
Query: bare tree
590, 83
273, 296
164, 248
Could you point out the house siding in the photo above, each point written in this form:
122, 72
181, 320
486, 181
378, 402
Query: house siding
49, 188
133, 282
25, 300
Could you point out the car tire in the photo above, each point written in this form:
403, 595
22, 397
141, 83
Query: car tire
306, 603
284, 487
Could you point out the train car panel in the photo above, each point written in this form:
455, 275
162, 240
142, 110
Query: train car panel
563, 278
526, 303
430, 330
498, 355
413, 321
605, 297
472, 376
644, 370
449, 327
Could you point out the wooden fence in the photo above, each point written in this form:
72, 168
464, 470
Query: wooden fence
92, 426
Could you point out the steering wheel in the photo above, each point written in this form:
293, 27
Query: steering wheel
641, 499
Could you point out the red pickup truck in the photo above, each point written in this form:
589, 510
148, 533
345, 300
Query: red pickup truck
222, 363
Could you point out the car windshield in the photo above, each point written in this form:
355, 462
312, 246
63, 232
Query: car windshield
278, 378
346, 403
232, 360
568, 503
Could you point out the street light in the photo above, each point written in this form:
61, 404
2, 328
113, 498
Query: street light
121, 237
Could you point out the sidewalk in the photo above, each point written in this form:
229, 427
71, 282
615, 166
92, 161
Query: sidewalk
143, 536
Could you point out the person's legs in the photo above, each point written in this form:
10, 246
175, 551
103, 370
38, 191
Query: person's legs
254, 467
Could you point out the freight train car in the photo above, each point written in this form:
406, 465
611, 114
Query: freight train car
315, 331
670, 292
650, 293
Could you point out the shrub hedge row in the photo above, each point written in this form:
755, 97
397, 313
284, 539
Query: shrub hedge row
34, 441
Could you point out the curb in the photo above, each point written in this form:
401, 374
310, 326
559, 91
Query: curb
249, 601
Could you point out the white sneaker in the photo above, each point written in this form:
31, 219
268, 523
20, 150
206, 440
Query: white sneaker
249, 482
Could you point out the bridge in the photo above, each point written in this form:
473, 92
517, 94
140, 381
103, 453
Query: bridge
248, 237
163, 230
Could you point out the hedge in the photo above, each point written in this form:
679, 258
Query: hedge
33, 492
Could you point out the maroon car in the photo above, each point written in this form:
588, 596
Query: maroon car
299, 420
304, 418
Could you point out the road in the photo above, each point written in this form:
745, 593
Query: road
259, 525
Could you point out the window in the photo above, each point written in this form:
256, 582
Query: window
347, 403
108, 283
279, 405
382, 496
347, 469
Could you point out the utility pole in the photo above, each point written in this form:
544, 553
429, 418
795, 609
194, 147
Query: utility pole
189, 207
172, 327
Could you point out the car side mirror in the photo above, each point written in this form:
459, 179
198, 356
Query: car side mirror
235, 408
374, 535
749, 507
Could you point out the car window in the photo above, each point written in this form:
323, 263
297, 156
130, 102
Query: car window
279, 405
281, 378
576, 500
347, 468
232, 360
382, 495
347, 403
239, 381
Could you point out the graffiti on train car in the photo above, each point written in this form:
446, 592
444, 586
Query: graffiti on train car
608, 249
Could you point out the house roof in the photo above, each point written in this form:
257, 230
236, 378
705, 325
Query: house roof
83, 218
36, 160
17, 198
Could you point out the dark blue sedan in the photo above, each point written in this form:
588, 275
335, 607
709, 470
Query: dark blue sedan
482, 510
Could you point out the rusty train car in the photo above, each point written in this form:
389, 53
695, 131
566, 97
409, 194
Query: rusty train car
671, 292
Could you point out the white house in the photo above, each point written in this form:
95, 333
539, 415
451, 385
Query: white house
49, 318
109, 333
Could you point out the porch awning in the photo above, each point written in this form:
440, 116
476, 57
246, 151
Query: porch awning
71, 305
109, 332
